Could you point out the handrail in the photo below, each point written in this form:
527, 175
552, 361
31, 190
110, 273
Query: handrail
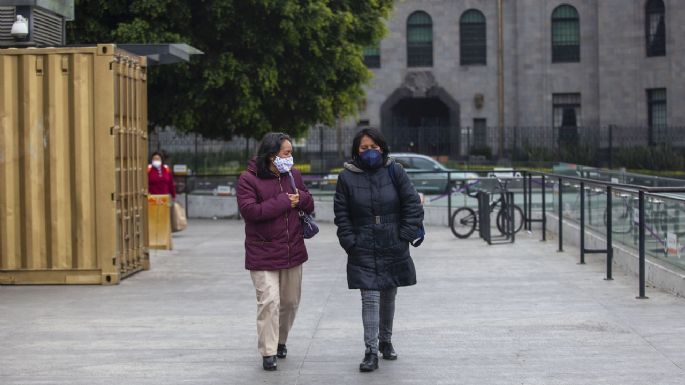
620, 186
610, 187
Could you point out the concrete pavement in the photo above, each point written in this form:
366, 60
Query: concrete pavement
480, 314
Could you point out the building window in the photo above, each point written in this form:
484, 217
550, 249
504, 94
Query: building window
372, 56
565, 35
566, 110
472, 38
480, 133
656, 114
419, 40
655, 25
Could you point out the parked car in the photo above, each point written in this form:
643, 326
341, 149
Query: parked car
428, 175
419, 166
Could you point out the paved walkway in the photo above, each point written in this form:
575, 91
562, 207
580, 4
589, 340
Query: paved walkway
479, 315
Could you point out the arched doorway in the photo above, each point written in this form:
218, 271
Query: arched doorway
421, 117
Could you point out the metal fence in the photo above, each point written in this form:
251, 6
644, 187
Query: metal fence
640, 213
648, 220
324, 148
631, 146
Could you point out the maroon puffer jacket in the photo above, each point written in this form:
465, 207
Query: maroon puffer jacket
273, 233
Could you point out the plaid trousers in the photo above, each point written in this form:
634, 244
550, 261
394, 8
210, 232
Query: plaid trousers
378, 313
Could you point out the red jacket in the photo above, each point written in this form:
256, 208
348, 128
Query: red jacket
273, 233
161, 181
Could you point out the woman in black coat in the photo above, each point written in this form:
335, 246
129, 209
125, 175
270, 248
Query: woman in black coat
378, 214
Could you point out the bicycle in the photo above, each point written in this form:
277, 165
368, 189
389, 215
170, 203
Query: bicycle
464, 221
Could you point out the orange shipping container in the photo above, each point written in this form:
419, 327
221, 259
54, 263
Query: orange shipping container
73, 155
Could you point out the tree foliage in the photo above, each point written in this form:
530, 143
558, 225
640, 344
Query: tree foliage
267, 64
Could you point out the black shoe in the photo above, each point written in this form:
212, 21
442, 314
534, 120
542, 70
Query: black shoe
387, 351
269, 363
370, 363
282, 351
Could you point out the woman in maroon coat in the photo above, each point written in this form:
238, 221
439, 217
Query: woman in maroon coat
274, 244
160, 178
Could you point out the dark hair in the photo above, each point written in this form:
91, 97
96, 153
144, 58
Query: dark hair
268, 147
376, 136
158, 153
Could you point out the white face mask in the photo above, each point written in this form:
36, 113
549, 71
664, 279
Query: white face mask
284, 164
157, 164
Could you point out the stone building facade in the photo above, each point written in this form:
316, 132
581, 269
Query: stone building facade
565, 64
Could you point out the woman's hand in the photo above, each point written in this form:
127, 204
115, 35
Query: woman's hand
294, 199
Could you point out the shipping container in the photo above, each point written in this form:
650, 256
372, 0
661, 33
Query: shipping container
73, 155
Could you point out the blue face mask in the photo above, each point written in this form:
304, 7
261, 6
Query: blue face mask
371, 158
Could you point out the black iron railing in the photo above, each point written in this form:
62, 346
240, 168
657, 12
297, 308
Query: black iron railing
529, 184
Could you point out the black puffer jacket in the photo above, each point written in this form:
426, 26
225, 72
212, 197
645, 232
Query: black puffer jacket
376, 221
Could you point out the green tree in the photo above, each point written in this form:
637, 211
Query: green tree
268, 64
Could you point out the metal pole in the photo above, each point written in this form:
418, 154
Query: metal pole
500, 75
610, 249
529, 214
582, 223
196, 160
611, 146
338, 139
247, 150
512, 220
513, 146
449, 198
526, 218
468, 147
185, 189
641, 208
589, 207
544, 209
561, 219
321, 148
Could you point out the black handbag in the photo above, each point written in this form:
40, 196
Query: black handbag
309, 226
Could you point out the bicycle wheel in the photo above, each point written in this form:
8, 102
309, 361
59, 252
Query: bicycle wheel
502, 215
463, 222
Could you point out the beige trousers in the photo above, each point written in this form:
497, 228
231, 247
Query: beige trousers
278, 296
